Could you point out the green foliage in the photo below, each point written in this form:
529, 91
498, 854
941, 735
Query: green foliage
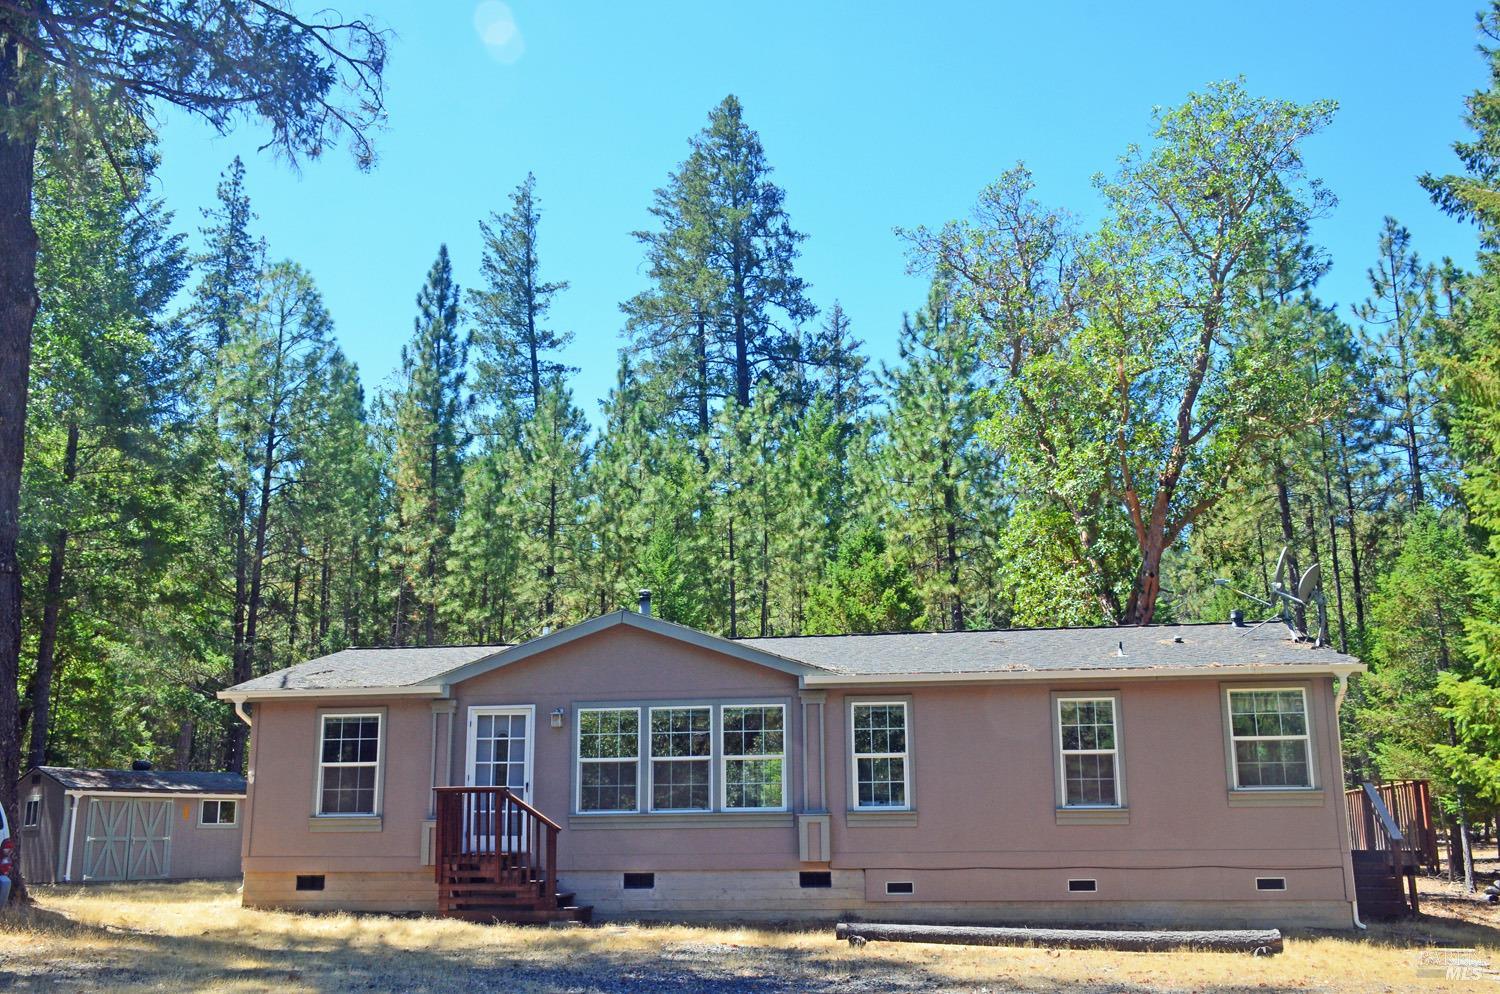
865, 591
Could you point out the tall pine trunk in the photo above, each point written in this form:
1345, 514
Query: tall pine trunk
52, 599
1288, 539
18, 303
1352, 528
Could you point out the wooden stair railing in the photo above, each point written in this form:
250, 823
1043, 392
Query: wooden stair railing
1385, 858
496, 857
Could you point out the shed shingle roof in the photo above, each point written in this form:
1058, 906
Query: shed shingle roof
1207, 648
146, 781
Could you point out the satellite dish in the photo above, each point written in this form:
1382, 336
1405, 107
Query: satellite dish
1311, 580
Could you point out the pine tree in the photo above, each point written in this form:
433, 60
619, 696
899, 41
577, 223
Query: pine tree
105, 416
939, 498
1399, 321
430, 410
271, 386
726, 297
865, 591
554, 456
515, 349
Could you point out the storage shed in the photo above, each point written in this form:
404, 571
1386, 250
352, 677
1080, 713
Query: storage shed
80, 826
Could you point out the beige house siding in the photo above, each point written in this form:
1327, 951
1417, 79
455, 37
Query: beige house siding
985, 838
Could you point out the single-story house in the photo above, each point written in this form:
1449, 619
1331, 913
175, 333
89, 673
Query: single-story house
80, 826
1171, 774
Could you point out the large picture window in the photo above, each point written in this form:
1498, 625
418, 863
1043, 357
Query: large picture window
681, 758
609, 751
1269, 738
754, 754
349, 764
879, 748
1088, 742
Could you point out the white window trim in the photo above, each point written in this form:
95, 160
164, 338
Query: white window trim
725, 757
1305, 738
651, 760
379, 763
26, 820
1063, 753
855, 757
579, 759
220, 801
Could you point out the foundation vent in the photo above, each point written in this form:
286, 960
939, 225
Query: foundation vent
815, 878
309, 881
1270, 883
639, 881
898, 887
1082, 886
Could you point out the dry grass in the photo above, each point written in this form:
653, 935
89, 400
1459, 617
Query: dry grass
195, 937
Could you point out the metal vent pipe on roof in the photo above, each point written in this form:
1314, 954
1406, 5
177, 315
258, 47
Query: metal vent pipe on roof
645, 602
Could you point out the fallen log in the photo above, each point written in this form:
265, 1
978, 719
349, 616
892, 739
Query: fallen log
1261, 942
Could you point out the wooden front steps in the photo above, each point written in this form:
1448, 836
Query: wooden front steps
1381, 893
497, 860
1386, 852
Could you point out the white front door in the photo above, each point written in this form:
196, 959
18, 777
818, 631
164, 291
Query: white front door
500, 741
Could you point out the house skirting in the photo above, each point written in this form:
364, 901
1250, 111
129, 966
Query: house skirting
777, 896
389, 892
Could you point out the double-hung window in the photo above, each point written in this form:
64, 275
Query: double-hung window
681, 758
32, 817
1089, 749
880, 754
754, 757
609, 750
349, 764
1269, 739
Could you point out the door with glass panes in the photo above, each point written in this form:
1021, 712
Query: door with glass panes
500, 746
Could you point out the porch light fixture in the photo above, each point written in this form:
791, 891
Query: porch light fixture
557, 717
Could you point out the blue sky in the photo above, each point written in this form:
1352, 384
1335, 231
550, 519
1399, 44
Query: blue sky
873, 114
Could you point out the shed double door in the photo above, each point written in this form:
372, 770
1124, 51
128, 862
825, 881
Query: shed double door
127, 838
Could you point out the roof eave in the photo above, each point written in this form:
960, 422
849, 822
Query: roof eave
273, 694
1042, 676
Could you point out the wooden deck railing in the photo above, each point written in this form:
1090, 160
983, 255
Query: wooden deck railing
1409, 803
492, 833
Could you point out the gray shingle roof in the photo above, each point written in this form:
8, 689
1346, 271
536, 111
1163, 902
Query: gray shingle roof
146, 781
1207, 648
351, 669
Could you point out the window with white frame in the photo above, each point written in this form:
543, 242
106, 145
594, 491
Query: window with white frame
1269, 738
349, 764
681, 758
215, 812
1089, 749
31, 817
609, 751
879, 747
753, 743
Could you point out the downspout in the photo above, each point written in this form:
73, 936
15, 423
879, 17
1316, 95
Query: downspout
75, 797
1338, 707
239, 709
